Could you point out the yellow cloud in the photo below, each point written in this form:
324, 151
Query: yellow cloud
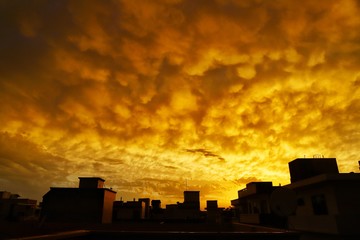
122, 89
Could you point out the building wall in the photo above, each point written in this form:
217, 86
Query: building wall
91, 182
5, 195
73, 205
23, 210
147, 207
303, 168
5, 208
211, 204
255, 209
307, 196
191, 196
348, 197
253, 204
312, 216
175, 213
258, 203
328, 207
319, 224
124, 214
348, 201
134, 210
250, 218
213, 212
108, 200
191, 200
16, 208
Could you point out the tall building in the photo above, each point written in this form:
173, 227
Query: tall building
327, 201
192, 199
91, 202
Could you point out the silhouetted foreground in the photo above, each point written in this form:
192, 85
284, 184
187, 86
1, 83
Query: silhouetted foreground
185, 235
155, 230
319, 203
142, 230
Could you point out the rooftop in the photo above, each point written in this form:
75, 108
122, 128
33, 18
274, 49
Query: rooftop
339, 177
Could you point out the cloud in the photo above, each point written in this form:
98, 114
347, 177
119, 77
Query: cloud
206, 153
25, 166
121, 89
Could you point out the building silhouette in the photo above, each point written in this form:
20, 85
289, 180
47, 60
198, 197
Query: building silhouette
157, 212
131, 210
192, 200
327, 201
91, 202
214, 213
146, 201
253, 204
14, 208
188, 210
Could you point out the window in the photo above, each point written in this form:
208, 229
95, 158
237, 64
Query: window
319, 204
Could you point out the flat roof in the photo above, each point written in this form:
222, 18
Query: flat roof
338, 177
81, 189
98, 178
311, 159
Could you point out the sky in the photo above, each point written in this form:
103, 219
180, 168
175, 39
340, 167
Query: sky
162, 96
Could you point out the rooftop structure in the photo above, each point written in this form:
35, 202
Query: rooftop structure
88, 203
302, 168
91, 182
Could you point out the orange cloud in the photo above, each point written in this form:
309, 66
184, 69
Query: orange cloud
121, 89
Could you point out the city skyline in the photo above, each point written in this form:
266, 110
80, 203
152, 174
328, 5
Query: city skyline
159, 97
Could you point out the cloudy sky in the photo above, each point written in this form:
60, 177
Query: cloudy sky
162, 96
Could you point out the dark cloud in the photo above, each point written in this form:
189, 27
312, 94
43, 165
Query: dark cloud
206, 153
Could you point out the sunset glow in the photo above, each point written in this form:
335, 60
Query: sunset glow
161, 96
